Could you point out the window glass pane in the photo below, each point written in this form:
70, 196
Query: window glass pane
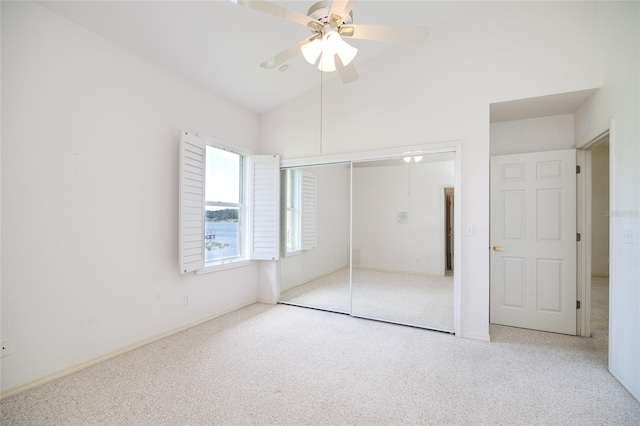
222, 233
223, 176
292, 228
290, 187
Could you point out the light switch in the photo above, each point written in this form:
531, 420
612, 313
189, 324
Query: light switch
403, 217
470, 230
627, 236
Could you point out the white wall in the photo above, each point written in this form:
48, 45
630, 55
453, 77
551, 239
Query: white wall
90, 138
382, 242
532, 135
600, 210
619, 100
332, 229
441, 91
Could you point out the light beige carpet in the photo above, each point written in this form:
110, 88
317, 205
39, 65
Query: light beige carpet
281, 364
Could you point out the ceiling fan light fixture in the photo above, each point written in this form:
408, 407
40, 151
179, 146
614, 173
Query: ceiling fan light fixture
329, 21
326, 48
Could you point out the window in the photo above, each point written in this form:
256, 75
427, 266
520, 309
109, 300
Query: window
299, 205
224, 205
228, 205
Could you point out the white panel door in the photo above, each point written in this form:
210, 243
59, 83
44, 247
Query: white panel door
533, 238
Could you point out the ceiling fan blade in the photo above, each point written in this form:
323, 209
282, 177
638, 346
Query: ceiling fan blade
274, 9
348, 73
386, 33
340, 9
286, 54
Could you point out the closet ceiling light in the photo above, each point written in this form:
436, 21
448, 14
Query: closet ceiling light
417, 159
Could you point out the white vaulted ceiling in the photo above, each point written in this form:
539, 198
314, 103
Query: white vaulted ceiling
220, 45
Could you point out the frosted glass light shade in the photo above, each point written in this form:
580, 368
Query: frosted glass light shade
327, 62
417, 159
346, 52
333, 44
312, 50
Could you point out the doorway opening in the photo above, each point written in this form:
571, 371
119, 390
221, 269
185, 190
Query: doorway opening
595, 225
449, 229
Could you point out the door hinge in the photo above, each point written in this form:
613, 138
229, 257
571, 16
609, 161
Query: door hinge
577, 169
578, 237
577, 304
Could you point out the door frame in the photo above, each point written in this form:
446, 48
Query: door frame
584, 219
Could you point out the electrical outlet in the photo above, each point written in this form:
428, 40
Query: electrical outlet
6, 348
187, 300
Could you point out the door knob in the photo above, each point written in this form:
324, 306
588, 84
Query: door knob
498, 248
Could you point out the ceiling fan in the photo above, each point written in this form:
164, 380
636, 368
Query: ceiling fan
329, 22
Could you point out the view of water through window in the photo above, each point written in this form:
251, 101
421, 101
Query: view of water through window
221, 240
223, 200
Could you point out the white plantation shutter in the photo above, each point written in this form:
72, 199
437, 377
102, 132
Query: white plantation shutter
308, 206
192, 180
283, 212
264, 174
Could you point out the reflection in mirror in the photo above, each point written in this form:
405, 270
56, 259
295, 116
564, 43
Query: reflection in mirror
314, 261
400, 236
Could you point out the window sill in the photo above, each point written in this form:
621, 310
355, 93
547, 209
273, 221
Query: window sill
293, 253
223, 266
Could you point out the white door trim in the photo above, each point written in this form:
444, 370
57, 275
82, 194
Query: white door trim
584, 220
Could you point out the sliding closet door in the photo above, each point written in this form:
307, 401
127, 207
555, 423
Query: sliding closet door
399, 241
314, 264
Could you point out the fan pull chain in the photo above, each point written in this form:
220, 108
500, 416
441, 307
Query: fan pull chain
321, 110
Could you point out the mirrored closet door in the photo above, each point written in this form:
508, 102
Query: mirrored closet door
314, 263
371, 239
399, 241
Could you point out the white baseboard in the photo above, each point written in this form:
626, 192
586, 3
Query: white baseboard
14, 390
473, 336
